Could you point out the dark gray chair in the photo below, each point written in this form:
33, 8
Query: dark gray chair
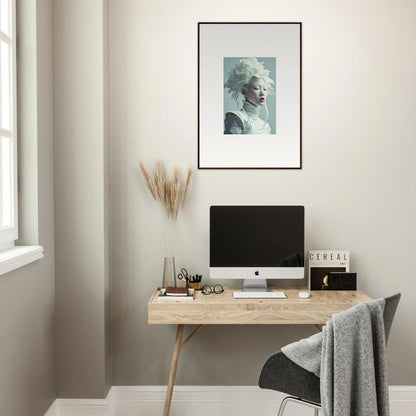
282, 374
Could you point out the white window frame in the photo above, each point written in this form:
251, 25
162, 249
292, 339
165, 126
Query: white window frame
11, 256
9, 233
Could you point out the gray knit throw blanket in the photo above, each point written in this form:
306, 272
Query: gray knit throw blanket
349, 357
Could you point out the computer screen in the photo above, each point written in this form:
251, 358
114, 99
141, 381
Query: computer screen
257, 242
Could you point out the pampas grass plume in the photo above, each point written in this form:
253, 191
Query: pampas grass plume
175, 193
149, 180
160, 181
171, 194
186, 184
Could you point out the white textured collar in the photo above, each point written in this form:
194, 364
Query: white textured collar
250, 109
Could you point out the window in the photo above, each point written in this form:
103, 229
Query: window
11, 256
8, 134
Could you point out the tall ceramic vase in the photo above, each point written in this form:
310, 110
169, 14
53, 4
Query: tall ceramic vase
169, 273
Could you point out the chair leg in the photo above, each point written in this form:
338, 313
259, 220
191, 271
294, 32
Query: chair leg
283, 405
315, 406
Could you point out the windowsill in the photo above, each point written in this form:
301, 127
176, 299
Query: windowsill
19, 256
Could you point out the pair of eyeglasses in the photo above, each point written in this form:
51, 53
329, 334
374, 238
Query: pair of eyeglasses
217, 289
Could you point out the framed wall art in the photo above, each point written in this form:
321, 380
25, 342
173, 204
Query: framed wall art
249, 95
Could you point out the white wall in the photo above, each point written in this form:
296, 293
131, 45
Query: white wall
357, 181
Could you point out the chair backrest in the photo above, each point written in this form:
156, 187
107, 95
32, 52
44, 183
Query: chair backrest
389, 310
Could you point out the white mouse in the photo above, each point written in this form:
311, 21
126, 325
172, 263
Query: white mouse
304, 295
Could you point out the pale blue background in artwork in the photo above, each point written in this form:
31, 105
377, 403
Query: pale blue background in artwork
231, 105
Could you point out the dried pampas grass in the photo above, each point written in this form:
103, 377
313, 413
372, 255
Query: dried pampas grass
175, 193
160, 180
166, 198
171, 194
149, 180
186, 184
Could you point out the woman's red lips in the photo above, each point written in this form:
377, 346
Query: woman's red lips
261, 99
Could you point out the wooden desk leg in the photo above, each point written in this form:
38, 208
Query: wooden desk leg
173, 368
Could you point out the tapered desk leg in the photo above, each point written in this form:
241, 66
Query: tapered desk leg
173, 367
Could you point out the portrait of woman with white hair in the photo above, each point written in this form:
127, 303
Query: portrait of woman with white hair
249, 84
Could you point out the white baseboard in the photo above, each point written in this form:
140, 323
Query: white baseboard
196, 400
85, 407
53, 410
204, 401
81, 407
402, 400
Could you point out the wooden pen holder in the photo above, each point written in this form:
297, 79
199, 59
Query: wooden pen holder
194, 285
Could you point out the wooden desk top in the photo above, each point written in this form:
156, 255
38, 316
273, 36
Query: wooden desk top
224, 309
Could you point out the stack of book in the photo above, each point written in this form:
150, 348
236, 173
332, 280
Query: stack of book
176, 293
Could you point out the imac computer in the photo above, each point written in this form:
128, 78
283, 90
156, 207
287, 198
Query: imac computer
256, 243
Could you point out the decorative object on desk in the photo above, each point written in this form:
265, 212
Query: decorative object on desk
325, 283
194, 281
342, 281
322, 262
233, 75
176, 291
168, 271
170, 294
184, 276
190, 281
172, 195
217, 289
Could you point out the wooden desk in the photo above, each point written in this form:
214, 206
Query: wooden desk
223, 309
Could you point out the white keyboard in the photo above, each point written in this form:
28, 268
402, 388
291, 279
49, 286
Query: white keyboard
259, 295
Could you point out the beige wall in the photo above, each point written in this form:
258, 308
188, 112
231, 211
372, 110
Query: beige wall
60, 350
27, 294
357, 185
357, 181
81, 199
